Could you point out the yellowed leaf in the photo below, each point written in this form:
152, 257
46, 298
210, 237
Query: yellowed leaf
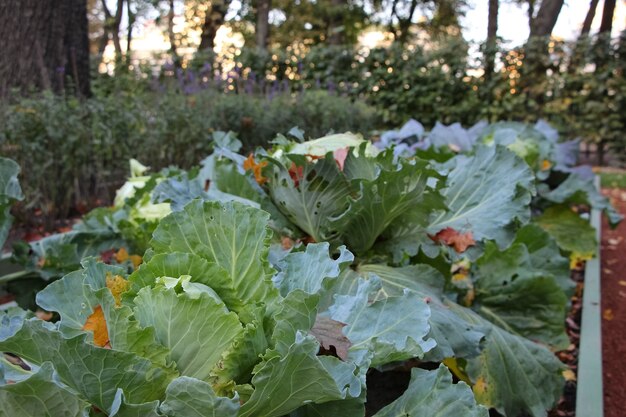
459, 277
569, 375
136, 260
480, 387
97, 324
117, 285
608, 314
577, 260
453, 366
121, 255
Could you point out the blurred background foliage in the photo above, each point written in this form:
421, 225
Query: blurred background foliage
260, 67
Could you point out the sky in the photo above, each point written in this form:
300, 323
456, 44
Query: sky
513, 20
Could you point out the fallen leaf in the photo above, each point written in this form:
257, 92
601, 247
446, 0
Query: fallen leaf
328, 333
251, 164
607, 271
451, 237
96, 323
569, 375
611, 262
616, 241
608, 314
622, 282
577, 260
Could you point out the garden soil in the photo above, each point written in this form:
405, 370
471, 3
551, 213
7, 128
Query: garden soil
613, 257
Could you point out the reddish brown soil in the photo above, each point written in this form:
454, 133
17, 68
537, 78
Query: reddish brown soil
614, 310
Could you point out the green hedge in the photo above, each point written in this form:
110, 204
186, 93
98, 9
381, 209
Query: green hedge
74, 153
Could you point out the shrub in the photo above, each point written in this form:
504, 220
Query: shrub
85, 145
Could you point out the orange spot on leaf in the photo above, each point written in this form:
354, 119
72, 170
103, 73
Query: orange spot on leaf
97, 324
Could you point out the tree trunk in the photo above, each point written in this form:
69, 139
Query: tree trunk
492, 33
577, 52
112, 25
591, 13
603, 46
335, 33
129, 31
170, 32
263, 23
548, 13
213, 20
606, 25
43, 42
531, 12
405, 24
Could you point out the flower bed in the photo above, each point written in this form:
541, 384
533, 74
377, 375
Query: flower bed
275, 283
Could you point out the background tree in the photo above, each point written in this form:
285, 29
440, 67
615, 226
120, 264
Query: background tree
43, 42
543, 23
262, 29
214, 18
492, 38
112, 23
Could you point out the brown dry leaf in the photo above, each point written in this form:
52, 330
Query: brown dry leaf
608, 314
328, 333
96, 323
451, 237
622, 282
611, 262
607, 271
117, 285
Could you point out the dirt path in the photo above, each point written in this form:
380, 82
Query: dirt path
614, 309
